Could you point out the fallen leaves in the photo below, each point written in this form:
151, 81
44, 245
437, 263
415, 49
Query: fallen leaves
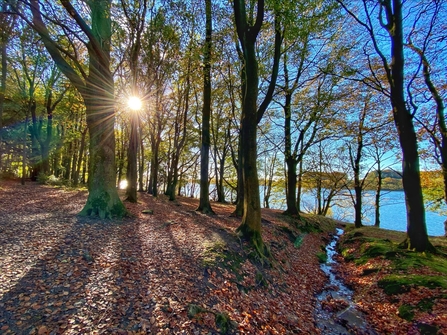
63, 274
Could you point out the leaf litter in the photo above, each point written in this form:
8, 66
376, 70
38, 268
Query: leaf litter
175, 271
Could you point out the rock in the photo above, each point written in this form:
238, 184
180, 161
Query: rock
352, 318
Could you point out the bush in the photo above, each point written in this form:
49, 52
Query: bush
43, 179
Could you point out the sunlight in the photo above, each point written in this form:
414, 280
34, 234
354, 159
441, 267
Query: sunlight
123, 184
134, 103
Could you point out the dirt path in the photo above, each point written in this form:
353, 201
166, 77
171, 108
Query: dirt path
62, 274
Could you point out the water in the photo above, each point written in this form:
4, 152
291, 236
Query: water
393, 213
340, 320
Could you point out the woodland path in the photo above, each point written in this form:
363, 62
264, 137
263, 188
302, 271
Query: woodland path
63, 274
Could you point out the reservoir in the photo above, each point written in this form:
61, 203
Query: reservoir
393, 213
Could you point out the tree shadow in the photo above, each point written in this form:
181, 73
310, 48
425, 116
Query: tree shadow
57, 292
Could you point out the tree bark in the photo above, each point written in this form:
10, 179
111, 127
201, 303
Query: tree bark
441, 124
250, 227
291, 161
378, 191
204, 203
132, 152
3, 43
417, 237
97, 90
142, 163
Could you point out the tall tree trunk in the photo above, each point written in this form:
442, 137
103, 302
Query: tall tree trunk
97, 90
204, 202
378, 191
132, 152
291, 160
24, 158
80, 159
250, 227
239, 210
417, 237
142, 163
75, 155
292, 176
35, 153
355, 159
67, 161
300, 186
220, 178
251, 219
7, 23
441, 124
103, 199
153, 181
3, 43
46, 144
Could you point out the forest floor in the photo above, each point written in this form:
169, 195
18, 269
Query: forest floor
174, 271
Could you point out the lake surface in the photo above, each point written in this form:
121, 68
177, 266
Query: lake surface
392, 210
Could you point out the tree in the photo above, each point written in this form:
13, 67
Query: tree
7, 23
204, 204
430, 32
97, 90
135, 17
389, 13
160, 58
305, 36
325, 177
248, 29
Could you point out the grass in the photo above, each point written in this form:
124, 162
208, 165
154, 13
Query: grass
361, 245
395, 284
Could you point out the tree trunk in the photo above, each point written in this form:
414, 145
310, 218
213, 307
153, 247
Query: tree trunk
417, 237
291, 161
80, 159
74, 160
66, 161
46, 144
141, 165
3, 42
7, 23
291, 200
251, 219
25, 136
153, 181
358, 206
441, 124
239, 210
103, 199
204, 203
97, 90
378, 190
247, 33
132, 152
300, 186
